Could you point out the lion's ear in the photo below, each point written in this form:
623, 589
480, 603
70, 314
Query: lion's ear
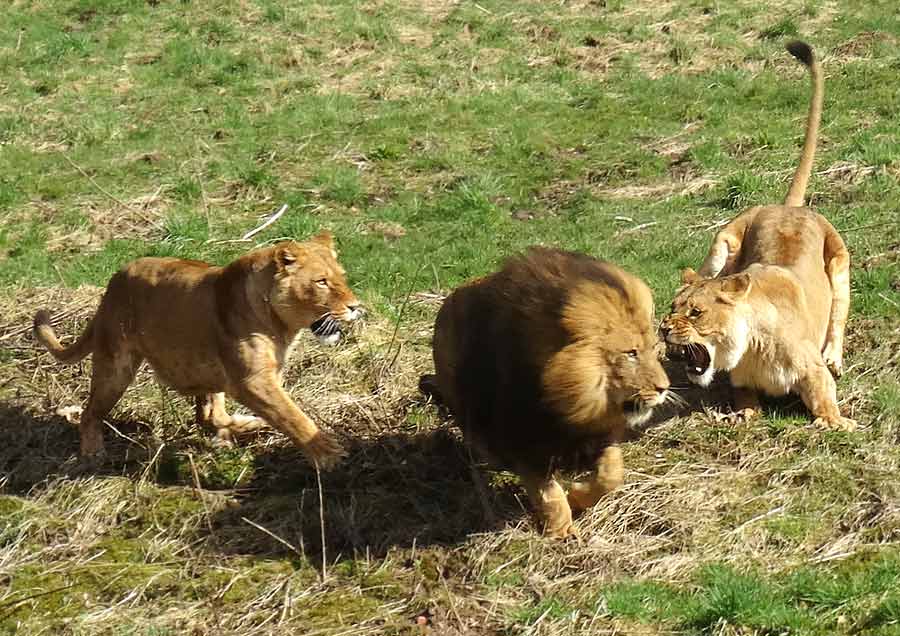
325, 238
285, 259
689, 276
736, 286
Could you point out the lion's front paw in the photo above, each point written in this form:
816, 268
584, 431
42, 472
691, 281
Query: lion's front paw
324, 450
223, 439
834, 359
738, 416
562, 530
835, 423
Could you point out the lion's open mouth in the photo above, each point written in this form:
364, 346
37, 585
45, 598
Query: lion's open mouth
327, 329
696, 357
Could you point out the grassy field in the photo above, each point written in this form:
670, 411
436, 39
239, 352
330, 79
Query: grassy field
434, 138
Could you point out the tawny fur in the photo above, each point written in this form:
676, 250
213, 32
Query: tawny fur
542, 364
208, 331
770, 301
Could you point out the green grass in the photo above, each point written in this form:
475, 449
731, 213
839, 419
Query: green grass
859, 595
434, 139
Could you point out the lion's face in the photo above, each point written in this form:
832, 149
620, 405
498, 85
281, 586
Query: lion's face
612, 364
310, 288
707, 325
637, 379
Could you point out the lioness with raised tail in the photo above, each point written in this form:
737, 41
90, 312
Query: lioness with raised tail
769, 304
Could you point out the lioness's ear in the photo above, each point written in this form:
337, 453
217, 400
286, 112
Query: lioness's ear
285, 259
736, 286
689, 276
325, 238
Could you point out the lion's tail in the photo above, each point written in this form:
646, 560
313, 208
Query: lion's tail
43, 332
803, 52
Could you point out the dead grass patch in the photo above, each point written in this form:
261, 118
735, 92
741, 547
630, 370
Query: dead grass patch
404, 508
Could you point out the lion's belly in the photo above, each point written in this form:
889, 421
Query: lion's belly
772, 378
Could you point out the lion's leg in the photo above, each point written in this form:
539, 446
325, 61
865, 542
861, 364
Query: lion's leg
211, 412
837, 265
266, 398
607, 476
109, 379
549, 499
819, 394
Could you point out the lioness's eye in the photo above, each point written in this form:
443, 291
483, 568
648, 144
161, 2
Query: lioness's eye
633, 353
695, 312
322, 282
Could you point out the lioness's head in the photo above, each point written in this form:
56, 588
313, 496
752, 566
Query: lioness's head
707, 325
310, 288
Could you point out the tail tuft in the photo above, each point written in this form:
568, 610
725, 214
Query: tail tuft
802, 51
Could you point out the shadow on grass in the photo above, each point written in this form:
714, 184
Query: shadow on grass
35, 449
392, 491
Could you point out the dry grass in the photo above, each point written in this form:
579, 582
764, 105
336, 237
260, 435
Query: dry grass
202, 539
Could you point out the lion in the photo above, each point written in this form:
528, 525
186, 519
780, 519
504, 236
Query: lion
207, 331
543, 364
769, 304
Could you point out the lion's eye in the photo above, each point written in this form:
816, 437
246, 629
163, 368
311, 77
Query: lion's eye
322, 282
695, 313
633, 354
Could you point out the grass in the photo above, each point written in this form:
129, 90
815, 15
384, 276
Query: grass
434, 139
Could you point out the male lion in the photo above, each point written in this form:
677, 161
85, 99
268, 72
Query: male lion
542, 364
769, 304
207, 331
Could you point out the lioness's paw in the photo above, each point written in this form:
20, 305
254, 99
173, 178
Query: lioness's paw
834, 359
243, 424
835, 423
324, 450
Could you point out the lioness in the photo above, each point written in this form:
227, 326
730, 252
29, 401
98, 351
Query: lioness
769, 304
207, 331
542, 364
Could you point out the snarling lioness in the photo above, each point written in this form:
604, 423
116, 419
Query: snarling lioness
208, 331
769, 304
543, 364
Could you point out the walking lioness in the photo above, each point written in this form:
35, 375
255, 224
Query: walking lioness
209, 330
769, 304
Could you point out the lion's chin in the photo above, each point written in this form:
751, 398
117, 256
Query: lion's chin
329, 340
636, 412
327, 330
